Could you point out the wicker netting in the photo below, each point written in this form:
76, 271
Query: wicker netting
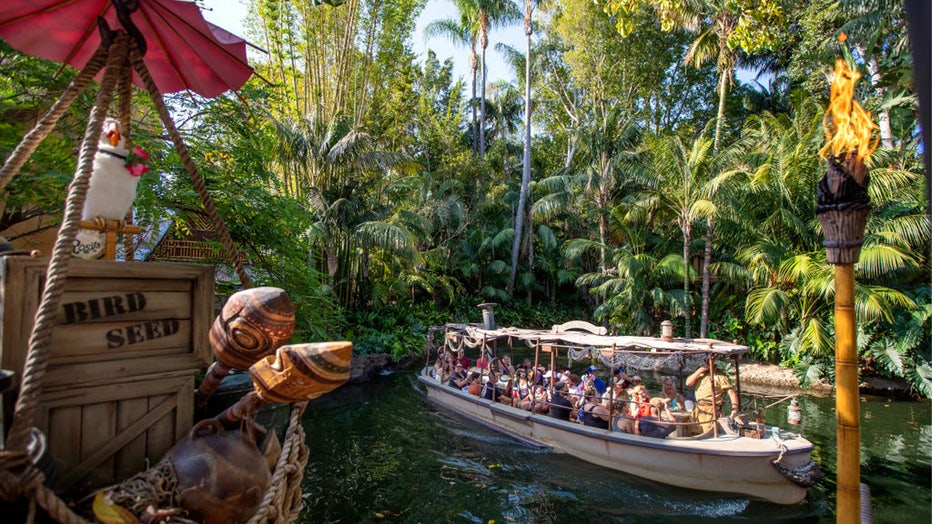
19, 477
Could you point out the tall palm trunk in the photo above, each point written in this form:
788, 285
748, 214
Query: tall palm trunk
474, 68
526, 161
484, 41
687, 303
883, 116
707, 255
603, 237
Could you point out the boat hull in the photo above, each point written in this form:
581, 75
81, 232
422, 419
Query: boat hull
729, 463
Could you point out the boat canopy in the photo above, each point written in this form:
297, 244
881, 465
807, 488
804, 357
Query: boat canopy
572, 337
580, 340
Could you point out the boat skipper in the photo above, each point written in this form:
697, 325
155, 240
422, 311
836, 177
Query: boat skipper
703, 413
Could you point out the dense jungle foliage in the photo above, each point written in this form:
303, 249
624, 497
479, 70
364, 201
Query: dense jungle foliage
626, 175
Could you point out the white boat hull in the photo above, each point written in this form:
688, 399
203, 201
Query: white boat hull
728, 463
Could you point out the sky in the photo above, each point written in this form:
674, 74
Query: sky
229, 14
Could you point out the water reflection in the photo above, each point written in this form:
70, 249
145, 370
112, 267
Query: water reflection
380, 452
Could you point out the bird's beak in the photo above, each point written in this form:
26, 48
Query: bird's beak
113, 136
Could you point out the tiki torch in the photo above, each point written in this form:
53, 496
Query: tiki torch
295, 373
251, 325
842, 206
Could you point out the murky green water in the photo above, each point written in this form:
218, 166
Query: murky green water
381, 452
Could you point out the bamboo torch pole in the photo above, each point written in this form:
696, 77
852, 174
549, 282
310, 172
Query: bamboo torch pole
846, 399
842, 207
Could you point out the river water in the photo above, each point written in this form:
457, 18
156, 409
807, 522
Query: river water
381, 452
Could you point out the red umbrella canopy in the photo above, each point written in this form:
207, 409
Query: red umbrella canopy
184, 51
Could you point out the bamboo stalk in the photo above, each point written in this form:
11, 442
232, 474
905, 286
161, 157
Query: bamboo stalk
846, 398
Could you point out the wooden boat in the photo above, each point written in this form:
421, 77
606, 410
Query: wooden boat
763, 462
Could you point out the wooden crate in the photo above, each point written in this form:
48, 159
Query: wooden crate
128, 340
104, 434
116, 321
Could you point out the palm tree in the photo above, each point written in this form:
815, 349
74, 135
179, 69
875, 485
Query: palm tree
637, 292
609, 163
682, 191
722, 30
490, 14
778, 246
771, 196
334, 167
526, 158
464, 32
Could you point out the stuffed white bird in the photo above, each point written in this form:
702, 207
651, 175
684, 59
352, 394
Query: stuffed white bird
114, 180
112, 187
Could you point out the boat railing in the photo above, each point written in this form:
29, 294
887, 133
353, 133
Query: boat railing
618, 419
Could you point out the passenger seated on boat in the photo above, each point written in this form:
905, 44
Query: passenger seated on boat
621, 411
483, 361
541, 402
526, 366
641, 402
458, 378
658, 424
446, 369
560, 405
462, 359
474, 383
436, 371
537, 377
593, 378
619, 376
703, 412
594, 413
493, 390
522, 395
564, 376
674, 400
507, 368
615, 393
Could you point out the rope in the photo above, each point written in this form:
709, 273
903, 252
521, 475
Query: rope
29, 482
218, 224
31, 141
124, 111
37, 356
282, 501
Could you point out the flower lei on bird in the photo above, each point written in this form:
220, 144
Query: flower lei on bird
136, 162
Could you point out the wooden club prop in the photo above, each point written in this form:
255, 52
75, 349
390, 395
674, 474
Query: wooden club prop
252, 324
295, 373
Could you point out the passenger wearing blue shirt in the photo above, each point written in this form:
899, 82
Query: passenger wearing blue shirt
594, 379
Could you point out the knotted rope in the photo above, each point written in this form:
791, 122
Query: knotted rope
37, 356
124, 111
218, 224
282, 501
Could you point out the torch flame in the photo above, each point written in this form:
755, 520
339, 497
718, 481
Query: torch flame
850, 128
